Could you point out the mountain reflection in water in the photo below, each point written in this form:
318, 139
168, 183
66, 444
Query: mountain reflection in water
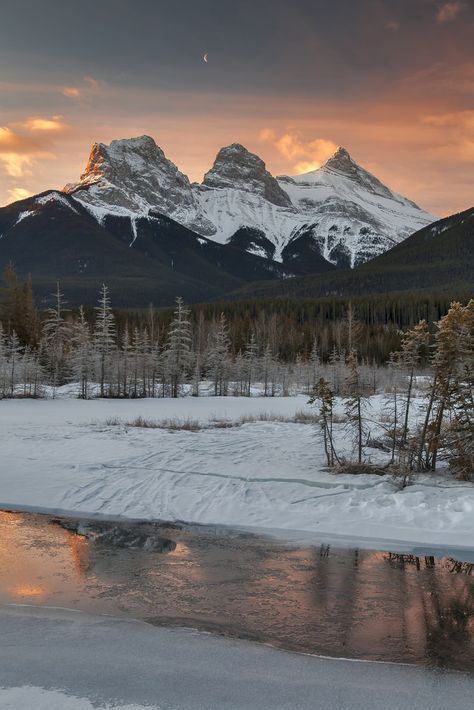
325, 600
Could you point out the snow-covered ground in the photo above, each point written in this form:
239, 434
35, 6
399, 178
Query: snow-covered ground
72, 661
61, 455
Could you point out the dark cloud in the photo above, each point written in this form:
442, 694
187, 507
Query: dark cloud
274, 46
391, 80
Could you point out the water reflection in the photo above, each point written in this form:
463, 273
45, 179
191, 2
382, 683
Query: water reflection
355, 603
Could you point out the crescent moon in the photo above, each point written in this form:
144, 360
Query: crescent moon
205, 58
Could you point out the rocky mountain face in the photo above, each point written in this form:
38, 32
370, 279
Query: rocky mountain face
236, 168
339, 215
134, 177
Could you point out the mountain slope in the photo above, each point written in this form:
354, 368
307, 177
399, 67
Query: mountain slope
358, 217
143, 259
339, 215
438, 258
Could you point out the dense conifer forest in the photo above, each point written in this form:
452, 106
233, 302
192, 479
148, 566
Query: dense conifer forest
291, 327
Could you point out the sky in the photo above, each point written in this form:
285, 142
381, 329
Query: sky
390, 80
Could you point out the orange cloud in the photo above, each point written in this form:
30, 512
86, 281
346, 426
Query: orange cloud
17, 152
450, 11
18, 193
71, 92
14, 142
16, 165
306, 166
311, 154
36, 123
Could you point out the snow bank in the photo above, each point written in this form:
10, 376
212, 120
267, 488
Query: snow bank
59, 455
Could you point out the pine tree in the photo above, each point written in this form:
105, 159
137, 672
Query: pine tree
354, 404
392, 408
239, 375
269, 367
104, 336
352, 329
323, 394
10, 306
250, 363
178, 355
56, 338
414, 347
82, 354
314, 365
455, 341
14, 361
125, 363
3, 364
217, 359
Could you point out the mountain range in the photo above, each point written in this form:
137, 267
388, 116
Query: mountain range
138, 223
339, 215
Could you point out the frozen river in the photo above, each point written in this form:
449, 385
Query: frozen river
415, 608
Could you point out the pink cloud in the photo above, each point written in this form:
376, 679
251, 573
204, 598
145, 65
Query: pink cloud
450, 11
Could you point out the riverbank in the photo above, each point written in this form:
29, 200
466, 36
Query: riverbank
269, 474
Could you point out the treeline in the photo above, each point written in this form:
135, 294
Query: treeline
155, 361
291, 327
294, 325
155, 354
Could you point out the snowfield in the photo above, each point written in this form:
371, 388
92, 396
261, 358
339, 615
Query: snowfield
61, 455
73, 661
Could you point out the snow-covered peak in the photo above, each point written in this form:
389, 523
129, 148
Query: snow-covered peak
135, 175
340, 160
342, 165
237, 168
137, 163
346, 213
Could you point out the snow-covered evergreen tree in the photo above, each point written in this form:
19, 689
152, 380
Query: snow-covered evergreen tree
354, 398
13, 352
250, 364
82, 355
178, 355
104, 338
314, 367
323, 395
56, 340
269, 369
218, 363
414, 348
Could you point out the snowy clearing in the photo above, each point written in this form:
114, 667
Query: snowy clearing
142, 666
60, 455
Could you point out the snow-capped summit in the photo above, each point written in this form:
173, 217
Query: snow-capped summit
339, 215
351, 216
237, 168
133, 176
342, 164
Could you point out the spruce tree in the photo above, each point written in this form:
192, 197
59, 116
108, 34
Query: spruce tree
56, 340
178, 354
217, 359
104, 337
